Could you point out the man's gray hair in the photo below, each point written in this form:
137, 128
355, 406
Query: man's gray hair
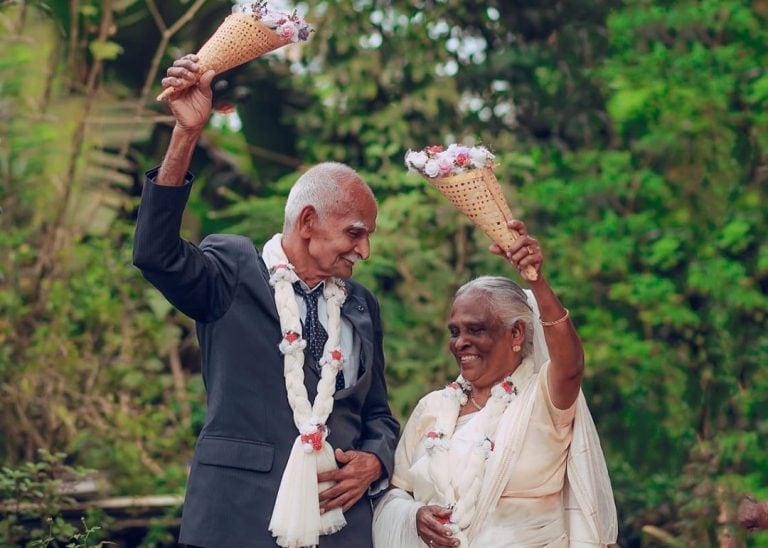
323, 187
506, 301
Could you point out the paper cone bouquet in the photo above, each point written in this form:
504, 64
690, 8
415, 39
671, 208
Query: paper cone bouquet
465, 176
252, 30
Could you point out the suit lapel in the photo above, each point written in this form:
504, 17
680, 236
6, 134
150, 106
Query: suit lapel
268, 295
356, 312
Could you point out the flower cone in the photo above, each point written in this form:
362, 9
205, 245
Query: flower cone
478, 195
240, 38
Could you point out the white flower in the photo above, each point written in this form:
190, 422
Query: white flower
273, 19
431, 168
481, 157
416, 159
294, 347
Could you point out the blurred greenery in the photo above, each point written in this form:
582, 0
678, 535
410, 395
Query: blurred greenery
632, 137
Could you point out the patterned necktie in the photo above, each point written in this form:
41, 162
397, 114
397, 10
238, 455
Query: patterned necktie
316, 334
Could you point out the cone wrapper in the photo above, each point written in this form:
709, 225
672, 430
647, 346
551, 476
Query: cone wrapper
240, 38
478, 195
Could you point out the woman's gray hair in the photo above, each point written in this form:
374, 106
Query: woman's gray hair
507, 302
324, 187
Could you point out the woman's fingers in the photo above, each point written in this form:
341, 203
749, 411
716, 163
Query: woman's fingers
431, 524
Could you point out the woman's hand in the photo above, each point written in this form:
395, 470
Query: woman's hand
190, 106
525, 250
431, 526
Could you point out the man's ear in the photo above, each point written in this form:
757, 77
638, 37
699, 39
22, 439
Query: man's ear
307, 221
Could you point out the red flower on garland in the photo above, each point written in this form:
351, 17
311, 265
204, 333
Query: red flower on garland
433, 435
444, 521
336, 355
315, 439
434, 149
291, 336
508, 387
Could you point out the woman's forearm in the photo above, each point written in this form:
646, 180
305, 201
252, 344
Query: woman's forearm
563, 343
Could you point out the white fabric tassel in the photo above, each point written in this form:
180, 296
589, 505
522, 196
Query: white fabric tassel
332, 520
297, 529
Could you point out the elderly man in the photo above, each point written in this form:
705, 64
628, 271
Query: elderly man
299, 433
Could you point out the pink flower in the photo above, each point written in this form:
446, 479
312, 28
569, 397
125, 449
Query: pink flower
445, 165
434, 149
287, 32
462, 156
455, 386
433, 435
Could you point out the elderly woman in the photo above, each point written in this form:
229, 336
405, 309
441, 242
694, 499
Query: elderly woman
507, 455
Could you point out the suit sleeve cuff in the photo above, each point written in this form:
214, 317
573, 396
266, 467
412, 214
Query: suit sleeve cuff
378, 487
151, 176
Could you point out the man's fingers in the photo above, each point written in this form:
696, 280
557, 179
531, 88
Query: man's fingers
171, 81
207, 78
182, 72
332, 492
187, 63
343, 456
330, 475
326, 506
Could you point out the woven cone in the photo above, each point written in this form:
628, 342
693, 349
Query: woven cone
240, 38
478, 195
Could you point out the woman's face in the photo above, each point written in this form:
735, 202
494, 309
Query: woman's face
480, 342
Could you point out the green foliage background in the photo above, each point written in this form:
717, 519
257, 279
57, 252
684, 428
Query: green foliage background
632, 138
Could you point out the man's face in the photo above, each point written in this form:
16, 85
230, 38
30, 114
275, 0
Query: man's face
342, 236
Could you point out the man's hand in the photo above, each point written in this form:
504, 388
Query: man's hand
753, 515
357, 471
190, 106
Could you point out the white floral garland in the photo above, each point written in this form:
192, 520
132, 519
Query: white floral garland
296, 519
459, 489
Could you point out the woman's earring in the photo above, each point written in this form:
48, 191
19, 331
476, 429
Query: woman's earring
516, 348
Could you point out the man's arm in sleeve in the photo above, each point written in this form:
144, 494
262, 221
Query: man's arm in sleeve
197, 280
380, 428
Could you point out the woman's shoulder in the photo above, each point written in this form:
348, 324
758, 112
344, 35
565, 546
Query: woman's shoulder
427, 408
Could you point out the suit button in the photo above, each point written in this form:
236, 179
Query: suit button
360, 308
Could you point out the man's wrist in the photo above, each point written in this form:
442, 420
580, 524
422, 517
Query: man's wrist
188, 131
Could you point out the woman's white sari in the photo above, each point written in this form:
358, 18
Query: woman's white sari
545, 483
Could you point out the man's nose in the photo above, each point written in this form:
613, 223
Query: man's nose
363, 248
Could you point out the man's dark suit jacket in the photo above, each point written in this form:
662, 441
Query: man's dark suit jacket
243, 448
